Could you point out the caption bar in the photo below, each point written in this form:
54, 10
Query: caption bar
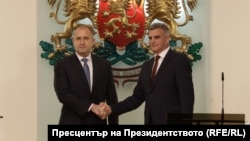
60, 132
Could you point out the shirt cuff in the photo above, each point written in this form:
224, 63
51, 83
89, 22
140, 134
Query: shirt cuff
90, 107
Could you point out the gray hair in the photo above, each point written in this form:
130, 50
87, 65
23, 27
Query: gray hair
90, 27
162, 26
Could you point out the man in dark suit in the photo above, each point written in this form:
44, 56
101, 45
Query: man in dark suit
80, 93
170, 90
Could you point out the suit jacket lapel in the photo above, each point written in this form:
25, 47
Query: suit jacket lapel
163, 65
150, 72
79, 70
95, 71
166, 59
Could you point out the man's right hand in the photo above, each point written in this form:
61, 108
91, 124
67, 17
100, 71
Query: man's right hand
102, 110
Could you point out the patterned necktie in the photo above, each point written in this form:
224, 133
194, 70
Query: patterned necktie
86, 69
154, 68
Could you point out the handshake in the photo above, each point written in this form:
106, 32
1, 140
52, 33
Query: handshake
102, 110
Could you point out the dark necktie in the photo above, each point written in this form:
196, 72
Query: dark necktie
154, 68
86, 69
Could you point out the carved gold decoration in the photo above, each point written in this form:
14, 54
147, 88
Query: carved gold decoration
166, 11
75, 10
120, 7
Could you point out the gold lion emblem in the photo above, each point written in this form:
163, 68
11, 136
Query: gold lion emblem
75, 10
